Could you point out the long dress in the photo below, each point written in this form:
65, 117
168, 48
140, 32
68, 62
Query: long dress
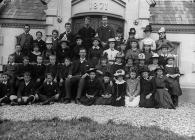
119, 91
162, 95
133, 89
146, 87
108, 90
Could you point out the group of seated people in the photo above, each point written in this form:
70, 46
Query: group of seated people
132, 73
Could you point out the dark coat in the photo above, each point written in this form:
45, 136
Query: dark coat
6, 89
63, 53
39, 71
94, 56
24, 90
119, 91
92, 88
52, 69
49, 90
18, 58
21, 69
26, 42
104, 33
87, 34
70, 38
41, 44
63, 71
78, 68
55, 43
146, 87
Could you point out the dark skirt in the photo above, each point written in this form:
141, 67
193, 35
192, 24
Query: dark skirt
147, 103
87, 101
175, 88
163, 99
120, 102
103, 101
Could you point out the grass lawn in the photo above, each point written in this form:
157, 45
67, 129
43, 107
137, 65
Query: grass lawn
80, 129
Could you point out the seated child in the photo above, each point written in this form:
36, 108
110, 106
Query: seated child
106, 94
6, 91
162, 94
49, 91
39, 71
173, 74
63, 51
147, 89
111, 52
133, 90
95, 52
52, 67
120, 86
92, 88
26, 90
33, 55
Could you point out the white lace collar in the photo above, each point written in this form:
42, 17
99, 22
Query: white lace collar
120, 82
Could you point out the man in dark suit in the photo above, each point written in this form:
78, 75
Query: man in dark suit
25, 40
87, 33
105, 32
76, 75
40, 42
68, 35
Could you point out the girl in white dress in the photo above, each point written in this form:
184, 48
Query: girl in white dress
133, 89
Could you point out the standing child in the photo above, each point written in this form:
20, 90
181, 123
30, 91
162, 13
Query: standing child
49, 91
92, 88
95, 52
106, 94
111, 52
40, 42
147, 89
162, 95
173, 74
133, 90
26, 90
120, 86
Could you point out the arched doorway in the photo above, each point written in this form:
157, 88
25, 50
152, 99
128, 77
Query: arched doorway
78, 22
